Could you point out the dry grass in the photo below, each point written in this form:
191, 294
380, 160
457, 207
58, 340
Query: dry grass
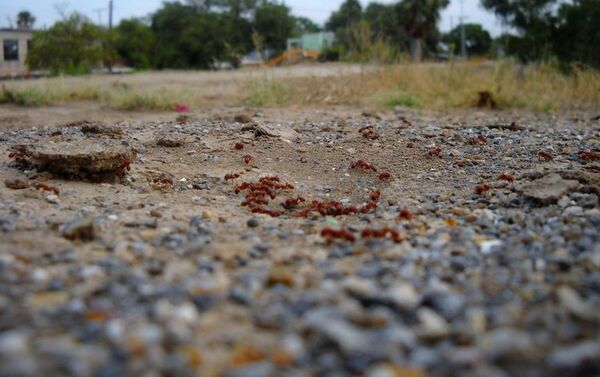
429, 86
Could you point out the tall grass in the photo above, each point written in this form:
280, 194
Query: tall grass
441, 86
429, 86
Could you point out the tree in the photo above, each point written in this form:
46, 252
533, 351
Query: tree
168, 25
25, 20
303, 25
135, 43
535, 20
420, 18
74, 45
350, 13
477, 40
275, 24
384, 22
577, 37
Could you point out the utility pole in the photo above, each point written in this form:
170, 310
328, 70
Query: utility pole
110, 14
463, 47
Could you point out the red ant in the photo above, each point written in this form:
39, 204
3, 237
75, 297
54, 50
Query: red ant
375, 196
480, 139
369, 132
163, 181
435, 152
360, 164
368, 207
231, 177
506, 177
589, 156
544, 156
383, 233
384, 176
332, 234
292, 203
266, 212
56, 133
18, 155
247, 159
482, 188
238, 146
45, 187
124, 168
258, 198
405, 215
328, 208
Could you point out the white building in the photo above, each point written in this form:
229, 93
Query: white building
14, 45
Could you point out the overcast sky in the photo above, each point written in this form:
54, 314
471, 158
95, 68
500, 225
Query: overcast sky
318, 10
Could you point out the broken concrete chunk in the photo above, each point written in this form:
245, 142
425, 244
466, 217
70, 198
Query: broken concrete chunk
548, 189
81, 158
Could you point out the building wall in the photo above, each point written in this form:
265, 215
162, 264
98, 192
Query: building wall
16, 67
312, 42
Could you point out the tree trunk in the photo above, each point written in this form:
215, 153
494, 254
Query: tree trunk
415, 49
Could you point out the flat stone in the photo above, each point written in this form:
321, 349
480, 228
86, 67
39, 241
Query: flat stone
80, 157
548, 189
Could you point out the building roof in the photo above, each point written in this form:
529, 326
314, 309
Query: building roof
17, 30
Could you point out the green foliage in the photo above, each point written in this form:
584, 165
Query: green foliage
275, 24
477, 40
135, 43
577, 37
350, 13
303, 25
535, 21
71, 46
385, 23
25, 20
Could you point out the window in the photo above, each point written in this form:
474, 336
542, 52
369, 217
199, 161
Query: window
11, 50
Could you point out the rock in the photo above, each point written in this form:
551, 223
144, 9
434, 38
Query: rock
79, 158
576, 360
253, 222
80, 229
52, 199
508, 345
99, 128
404, 296
243, 118
170, 141
16, 183
548, 189
570, 300
432, 325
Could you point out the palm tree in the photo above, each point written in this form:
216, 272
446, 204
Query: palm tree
419, 18
25, 20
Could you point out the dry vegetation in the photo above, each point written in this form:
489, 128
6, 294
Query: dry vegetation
430, 86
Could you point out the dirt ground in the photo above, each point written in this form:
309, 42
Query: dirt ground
178, 278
